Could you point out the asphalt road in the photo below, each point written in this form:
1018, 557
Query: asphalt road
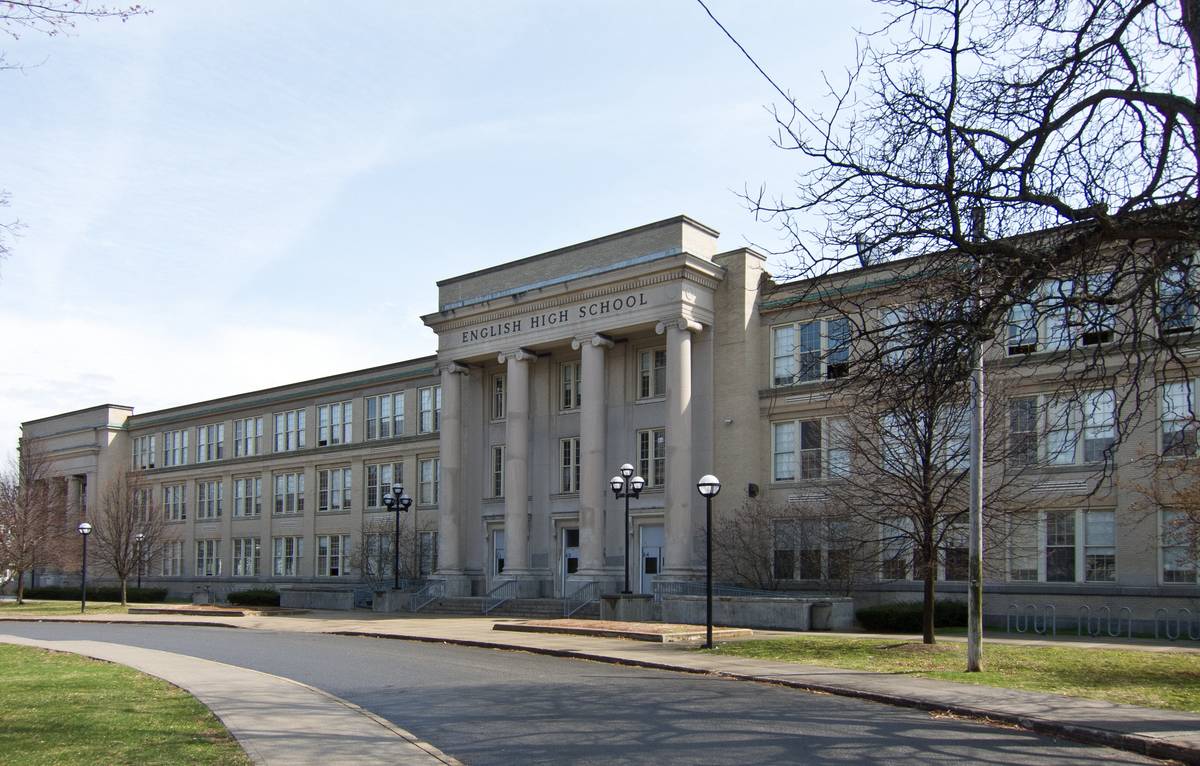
497, 707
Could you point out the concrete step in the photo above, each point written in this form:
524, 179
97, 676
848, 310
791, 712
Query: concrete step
543, 608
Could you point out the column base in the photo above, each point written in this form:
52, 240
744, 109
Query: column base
457, 583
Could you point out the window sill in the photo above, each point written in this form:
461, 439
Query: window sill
248, 517
651, 399
342, 512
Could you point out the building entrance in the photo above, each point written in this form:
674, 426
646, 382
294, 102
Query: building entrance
570, 557
497, 552
652, 540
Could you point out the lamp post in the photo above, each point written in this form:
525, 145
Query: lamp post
397, 501
626, 485
708, 487
138, 539
85, 529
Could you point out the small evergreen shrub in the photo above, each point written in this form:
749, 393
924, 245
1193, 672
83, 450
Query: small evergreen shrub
97, 593
254, 597
905, 616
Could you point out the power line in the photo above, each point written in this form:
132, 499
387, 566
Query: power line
746, 53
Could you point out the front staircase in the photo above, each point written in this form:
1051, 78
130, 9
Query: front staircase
533, 608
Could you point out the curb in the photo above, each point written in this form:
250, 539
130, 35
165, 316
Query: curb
1134, 743
176, 623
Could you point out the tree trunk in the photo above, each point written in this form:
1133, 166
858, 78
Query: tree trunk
927, 607
123, 582
20, 586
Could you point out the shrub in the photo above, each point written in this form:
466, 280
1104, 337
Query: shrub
96, 593
254, 597
905, 616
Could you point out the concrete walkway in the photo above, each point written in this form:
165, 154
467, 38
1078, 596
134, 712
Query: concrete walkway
1158, 733
275, 720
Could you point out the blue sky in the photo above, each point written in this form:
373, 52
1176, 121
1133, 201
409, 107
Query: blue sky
224, 196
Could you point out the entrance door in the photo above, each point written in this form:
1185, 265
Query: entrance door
652, 540
570, 557
497, 552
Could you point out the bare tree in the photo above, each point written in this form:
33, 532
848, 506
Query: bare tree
126, 510
374, 554
33, 528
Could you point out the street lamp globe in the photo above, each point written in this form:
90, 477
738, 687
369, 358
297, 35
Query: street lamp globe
140, 536
405, 501
617, 484
389, 500
709, 485
636, 484
626, 470
85, 528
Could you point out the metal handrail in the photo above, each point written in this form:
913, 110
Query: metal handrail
427, 595
580, 597
499, 595
697, 588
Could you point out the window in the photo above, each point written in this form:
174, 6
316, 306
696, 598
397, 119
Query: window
811, 549
246, 552
1176, 293
652, 456
955, 552
1178, 419
143, 503
428, 476
247, 436
380, 478
499, 396
247, 496
333, 490
289, 493
208, 558
810, 449
429, 402
289, 430
287, 553
385, 415
568, 450
143, 452
333, 555
175, 447
1180, 546
652, 373
210, 442
498, 470
895, 333
208, 499
429, 560
1062, 431
1063, 545
807, 351
570, 384
897, 557
174, 502
1061, 314
172, 558
335, 424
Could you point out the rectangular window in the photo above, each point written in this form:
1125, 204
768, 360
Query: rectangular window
1176, 290
810, 449
784, 440
385, 415
380, 478
144, 452
785, 366
1064, 545
289, 493
1099, 546
954, 550
247, 436
1022, 329
1060, 546
428, 479
652, 373
499, 396
333, 555
1023, 430
1178, 419
1023, 549
568, 463
570, 383
1099, 424
896, 549
1062, 314
247, 496
498, 470
289, 430
174, 502
246, 552
379, 560
172, 558
335, 424
210, 442
333, 490
428, 543
287, 553
1180, 547
1062, 431
805, 351
208, 558
175, 447
429, 401
209, 497
652, 456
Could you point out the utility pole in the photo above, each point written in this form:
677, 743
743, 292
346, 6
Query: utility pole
975, 477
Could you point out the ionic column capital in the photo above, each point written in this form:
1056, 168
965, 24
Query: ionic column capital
593, 339
678, 322
516, 355
453, 368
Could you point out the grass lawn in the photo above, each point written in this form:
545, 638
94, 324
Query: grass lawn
65, 608
1149, 679
66, 709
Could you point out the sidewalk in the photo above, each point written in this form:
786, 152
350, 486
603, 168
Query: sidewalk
1158, 733
275, 720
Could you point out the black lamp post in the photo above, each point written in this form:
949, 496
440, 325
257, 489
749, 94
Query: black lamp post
397, 501
626, 487
708, 486
85, 529
138, 539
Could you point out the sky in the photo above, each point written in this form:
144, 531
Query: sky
225, 196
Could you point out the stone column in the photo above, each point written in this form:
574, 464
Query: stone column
516, 464
593, 484
451, 510
680, 490
74, 497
